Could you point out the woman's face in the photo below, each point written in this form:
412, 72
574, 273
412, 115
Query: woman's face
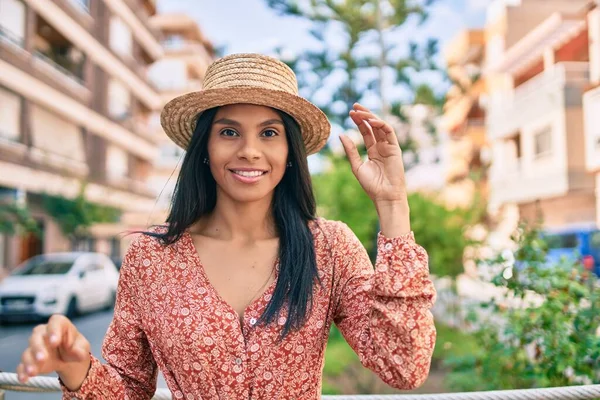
248, 151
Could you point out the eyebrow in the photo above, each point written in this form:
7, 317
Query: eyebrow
227, 121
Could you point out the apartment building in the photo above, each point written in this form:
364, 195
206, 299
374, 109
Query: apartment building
464, 120
426, 167
188, 53
76, 106
537, 69
591, 104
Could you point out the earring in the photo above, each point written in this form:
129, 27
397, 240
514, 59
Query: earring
289, 164
206, 160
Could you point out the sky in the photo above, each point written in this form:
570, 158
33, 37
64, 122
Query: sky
251, 26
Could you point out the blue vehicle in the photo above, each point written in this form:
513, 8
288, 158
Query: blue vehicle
583, 243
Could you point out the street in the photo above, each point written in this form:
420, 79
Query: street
14, 338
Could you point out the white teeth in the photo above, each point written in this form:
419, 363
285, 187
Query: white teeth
249, 174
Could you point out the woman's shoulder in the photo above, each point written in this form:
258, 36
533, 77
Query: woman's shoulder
148, 239
332, 230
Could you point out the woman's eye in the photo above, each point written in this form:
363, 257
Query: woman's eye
270, 133
228, 132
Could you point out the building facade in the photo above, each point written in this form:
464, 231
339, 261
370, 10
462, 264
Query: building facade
537, 70
76, 107
188, 53
463, 120
591, 104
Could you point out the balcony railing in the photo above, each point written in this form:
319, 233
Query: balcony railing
54, 68
59, 161
543, 94
81, 5
10, 38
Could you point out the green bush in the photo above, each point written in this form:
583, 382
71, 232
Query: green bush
554, 341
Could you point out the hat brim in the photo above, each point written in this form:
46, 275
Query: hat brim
179, 115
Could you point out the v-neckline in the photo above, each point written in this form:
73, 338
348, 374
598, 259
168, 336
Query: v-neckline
215, 292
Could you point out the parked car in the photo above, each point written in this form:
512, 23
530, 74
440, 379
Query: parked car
582, 243
58, 283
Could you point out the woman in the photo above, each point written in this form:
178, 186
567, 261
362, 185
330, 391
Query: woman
235, 296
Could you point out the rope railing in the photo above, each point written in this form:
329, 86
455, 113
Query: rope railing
9, 381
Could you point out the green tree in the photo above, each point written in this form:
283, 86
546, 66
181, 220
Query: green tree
543, 332
441, 231
76, 216
340, 197
15, 219
346, 29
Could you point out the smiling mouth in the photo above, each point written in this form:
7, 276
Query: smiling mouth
248, 174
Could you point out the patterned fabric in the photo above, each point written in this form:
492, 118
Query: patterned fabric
169, 316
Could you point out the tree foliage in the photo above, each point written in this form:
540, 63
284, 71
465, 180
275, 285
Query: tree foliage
343, 64
15, 219
545, 330
340, 197
437, 228
76, 216
441, 231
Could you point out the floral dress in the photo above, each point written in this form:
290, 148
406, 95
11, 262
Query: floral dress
168, 316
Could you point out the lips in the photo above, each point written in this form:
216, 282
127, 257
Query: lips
247, 175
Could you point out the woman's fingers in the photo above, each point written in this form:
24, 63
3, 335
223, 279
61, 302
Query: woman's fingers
64, 337
29, 368
351, 152
364, 128
39, 345
21, 373
57, 330
382, 131
384, 127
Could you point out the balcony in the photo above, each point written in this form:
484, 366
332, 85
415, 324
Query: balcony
53, 68
186, 47
130, 185
43, 67
591, 107
545, 95
143, 14
518, 182
58, 162
79, 10
82, 5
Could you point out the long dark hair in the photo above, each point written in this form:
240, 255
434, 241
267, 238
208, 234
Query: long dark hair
293, 207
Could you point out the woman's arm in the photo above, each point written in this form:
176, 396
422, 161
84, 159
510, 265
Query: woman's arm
384, 314
131, 371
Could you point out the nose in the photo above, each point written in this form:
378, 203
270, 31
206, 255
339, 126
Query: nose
250, 149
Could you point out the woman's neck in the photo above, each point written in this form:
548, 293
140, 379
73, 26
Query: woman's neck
235, 221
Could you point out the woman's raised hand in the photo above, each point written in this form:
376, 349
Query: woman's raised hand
382, 174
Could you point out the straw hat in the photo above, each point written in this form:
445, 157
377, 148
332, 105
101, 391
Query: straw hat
251, 79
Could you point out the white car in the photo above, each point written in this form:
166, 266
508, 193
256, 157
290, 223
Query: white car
58, 283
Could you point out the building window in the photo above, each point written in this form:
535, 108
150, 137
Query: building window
121, 40
54, 134
512, 152
543, 142
12, 21
10, 115
84, 244
117, 162
119, 101
513, 147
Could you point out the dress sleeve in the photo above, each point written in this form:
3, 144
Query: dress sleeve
384, 313
131, 371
